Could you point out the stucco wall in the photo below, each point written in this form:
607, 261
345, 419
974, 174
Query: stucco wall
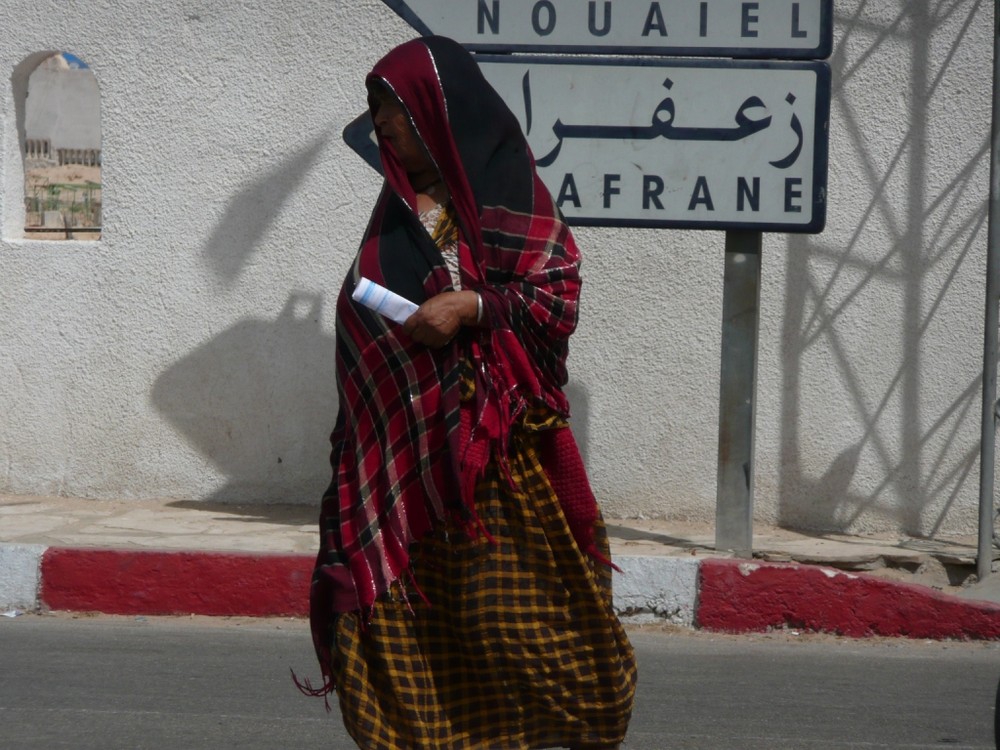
189, 353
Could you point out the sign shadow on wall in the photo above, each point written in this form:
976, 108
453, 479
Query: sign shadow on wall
259, 401
252, 211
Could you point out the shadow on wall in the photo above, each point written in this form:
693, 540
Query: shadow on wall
922, 465
579, 404
250, 213
259, 400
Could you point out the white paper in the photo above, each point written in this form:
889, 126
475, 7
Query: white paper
381, 300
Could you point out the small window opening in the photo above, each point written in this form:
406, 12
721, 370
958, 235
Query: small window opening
62, 151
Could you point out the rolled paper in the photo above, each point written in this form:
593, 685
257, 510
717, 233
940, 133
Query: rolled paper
376, 297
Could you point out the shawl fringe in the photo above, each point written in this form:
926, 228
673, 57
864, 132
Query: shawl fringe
306, 688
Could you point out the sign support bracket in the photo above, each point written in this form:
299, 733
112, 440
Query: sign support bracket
737, 392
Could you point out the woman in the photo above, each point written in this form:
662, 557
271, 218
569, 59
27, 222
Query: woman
461, 597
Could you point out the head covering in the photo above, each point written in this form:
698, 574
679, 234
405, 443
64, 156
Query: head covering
471, 135
406, 450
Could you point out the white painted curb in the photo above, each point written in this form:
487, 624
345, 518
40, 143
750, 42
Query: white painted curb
657, 587
20, 575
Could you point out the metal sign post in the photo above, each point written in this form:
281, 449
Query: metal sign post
737, 392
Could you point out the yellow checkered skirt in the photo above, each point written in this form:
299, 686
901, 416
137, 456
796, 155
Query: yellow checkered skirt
516, 647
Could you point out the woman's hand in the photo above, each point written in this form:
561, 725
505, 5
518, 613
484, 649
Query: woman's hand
438, 320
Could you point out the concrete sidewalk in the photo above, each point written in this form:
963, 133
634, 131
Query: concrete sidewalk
185, 557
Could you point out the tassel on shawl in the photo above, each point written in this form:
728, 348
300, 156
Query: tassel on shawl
305, 687
475, 458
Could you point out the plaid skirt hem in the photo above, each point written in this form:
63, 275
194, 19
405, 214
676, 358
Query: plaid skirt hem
513, 645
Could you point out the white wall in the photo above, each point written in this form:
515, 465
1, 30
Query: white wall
192, 347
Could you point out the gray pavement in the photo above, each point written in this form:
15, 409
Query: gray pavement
165, 683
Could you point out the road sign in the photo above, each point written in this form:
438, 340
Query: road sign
669, 143
782, 29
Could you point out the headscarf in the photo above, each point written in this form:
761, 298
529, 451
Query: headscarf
407, 452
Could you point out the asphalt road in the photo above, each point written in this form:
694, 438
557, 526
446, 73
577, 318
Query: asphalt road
162, 683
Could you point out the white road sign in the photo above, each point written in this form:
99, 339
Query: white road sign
675, 143
697, 144
784, 29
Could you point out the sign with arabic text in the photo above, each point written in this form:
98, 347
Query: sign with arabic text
781, 29
656, 143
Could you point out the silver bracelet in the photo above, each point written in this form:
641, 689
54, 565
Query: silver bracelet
479, 308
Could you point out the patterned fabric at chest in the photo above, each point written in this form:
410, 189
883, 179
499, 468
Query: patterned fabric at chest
440, 224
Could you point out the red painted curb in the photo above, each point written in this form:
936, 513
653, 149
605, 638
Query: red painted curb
175, 583
744, 596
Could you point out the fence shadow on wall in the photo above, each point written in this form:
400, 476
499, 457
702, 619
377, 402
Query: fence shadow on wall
910, 444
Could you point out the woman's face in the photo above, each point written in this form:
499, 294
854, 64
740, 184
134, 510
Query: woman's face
393, 125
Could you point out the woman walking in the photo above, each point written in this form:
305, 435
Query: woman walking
462, 592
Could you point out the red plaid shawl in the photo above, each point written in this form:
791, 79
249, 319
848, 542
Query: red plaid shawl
406, 452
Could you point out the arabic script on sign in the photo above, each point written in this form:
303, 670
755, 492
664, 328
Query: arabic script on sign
662, 126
